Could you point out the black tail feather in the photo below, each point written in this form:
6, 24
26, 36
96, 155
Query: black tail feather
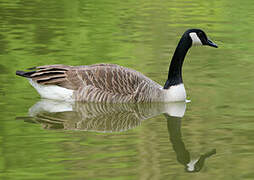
24, 74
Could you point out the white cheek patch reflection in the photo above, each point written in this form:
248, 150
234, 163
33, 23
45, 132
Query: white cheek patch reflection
195, 39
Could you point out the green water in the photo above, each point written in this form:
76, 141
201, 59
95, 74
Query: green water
128, 141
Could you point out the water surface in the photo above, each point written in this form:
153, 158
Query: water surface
136, 141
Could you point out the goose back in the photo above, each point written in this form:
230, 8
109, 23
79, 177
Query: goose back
99, 82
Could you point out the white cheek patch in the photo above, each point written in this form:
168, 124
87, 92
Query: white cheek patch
195, 39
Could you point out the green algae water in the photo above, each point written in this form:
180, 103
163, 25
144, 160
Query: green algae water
210, 137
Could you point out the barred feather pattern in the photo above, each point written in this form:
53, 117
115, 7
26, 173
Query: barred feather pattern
99, 82
99, 117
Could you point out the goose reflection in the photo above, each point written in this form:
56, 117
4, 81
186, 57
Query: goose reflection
106, 118
99, 117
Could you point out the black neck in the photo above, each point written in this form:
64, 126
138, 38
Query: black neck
175, 68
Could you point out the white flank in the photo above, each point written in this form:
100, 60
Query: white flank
195, 39
175, 93
53, 91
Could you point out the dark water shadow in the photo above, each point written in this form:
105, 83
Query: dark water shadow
108, 118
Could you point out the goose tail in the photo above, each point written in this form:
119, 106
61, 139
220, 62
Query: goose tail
24, 74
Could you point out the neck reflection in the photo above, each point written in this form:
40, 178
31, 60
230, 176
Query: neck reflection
182, 154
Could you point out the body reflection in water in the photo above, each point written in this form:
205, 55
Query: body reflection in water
99, 117
106, 118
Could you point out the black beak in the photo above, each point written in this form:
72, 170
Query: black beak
210, 43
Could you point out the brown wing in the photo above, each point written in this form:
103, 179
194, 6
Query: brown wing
110, 77
104, 79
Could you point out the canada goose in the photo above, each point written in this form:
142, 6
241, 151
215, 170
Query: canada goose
114, 83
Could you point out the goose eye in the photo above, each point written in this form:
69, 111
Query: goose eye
200, 34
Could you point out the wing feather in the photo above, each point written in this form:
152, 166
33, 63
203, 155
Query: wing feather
98, 83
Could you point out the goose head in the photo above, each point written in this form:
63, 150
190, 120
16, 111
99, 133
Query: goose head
191, 37
199, 38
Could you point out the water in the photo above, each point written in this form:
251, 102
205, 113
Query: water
128, 141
